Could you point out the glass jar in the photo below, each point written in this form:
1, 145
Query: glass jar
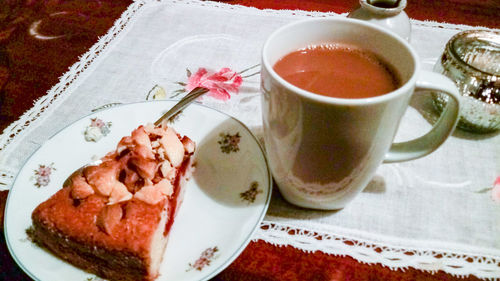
472, 60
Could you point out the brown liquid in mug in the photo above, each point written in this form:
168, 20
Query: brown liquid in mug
338, 70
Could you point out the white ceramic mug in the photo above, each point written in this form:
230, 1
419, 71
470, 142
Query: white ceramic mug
322, 150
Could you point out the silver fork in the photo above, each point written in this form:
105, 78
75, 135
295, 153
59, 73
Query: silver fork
183, 103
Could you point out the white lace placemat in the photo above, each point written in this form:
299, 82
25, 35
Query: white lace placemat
434, 213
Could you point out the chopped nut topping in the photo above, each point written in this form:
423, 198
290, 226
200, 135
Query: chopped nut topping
109, 217
149, 154
81, 189
166, 188
120, 193
145, 168
141, 138
103, 177
149, 194
173, 147
167, 170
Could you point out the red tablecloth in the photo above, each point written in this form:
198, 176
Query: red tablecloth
28, 68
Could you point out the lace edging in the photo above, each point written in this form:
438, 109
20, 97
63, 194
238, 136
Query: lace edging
6, 178
456, 264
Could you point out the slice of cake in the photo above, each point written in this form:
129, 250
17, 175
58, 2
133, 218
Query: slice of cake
114, 219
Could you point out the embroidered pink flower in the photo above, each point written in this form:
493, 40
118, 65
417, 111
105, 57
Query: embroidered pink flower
220, 84
495, 191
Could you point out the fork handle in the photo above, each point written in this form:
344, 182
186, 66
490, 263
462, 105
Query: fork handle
183, 103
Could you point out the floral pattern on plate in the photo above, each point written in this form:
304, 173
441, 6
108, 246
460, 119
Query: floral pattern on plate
97, 130
229, 143
250, 194
205, 259
42, 175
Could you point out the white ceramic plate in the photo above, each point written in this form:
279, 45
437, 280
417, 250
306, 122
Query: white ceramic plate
223, 205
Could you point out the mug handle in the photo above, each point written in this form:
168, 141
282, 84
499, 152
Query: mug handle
419, 147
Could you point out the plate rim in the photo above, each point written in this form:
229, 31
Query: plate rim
216, 270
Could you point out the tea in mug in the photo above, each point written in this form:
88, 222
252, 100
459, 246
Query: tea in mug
338, 70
